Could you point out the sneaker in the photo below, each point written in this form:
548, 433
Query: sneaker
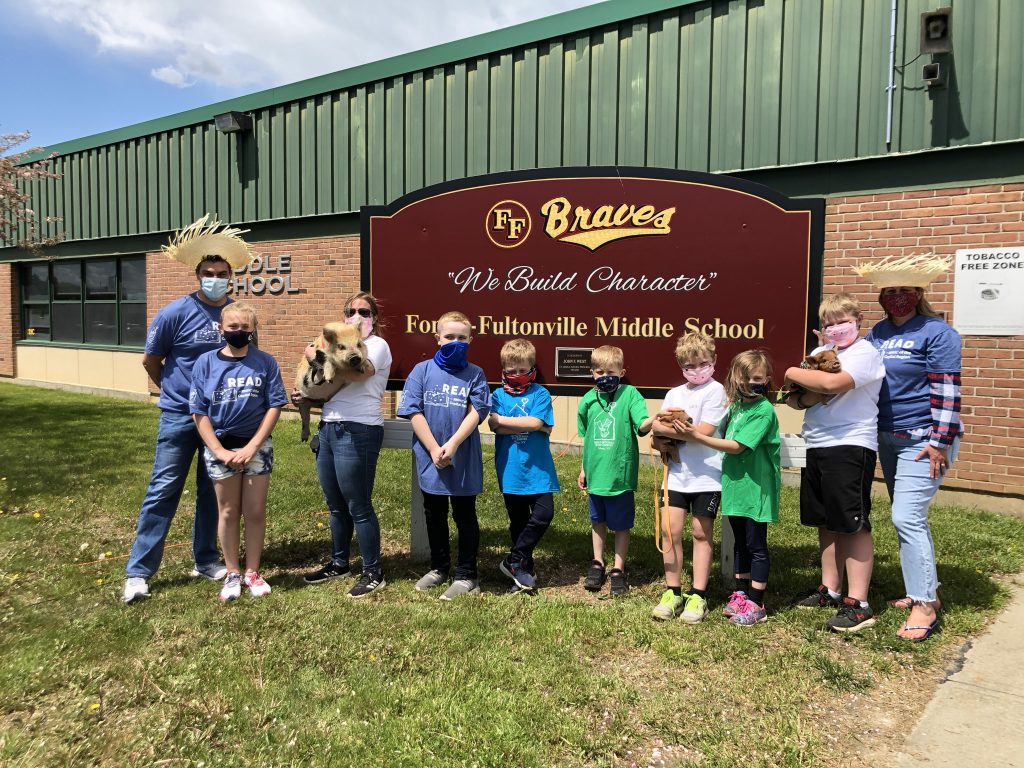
851, 617
671, 605
736, 602
433, 578
210, 571
257, 586
518, 573
696, 609
619, 586
750, 613
818, 598
135, 588
232, 588
595, 577
330, 571
461, 587
368, 584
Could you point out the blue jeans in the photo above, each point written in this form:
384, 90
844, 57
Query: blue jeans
347, 465
911, 490
177, 442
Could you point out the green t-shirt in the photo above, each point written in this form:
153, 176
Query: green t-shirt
608, 425
751, 479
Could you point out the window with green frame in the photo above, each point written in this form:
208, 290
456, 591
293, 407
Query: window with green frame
85, 301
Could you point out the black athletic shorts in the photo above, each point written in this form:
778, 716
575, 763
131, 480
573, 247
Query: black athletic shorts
835, 488
700, 504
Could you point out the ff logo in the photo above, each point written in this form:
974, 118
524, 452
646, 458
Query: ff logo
508, 224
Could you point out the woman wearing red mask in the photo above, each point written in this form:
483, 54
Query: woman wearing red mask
919, 424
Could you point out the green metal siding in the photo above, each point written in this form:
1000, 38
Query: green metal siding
728, 85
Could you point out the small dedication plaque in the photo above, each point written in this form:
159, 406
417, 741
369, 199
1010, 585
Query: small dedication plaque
573, 362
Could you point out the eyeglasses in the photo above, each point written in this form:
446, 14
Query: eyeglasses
363, 312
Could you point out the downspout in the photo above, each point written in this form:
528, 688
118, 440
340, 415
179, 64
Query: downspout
892, 75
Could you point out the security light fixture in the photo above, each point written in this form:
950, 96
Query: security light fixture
937, 31
932, 75
233, 122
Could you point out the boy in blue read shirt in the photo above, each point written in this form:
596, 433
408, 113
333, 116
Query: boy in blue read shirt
521, 421
446, 398
236, 399
609, 419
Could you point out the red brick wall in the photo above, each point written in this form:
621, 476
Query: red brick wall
325, 271
868, 227
10, 327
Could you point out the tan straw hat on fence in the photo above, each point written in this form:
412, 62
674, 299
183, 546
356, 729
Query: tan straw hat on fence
201, 239
916, 271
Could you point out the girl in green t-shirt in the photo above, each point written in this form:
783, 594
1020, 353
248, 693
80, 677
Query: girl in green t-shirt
751, 478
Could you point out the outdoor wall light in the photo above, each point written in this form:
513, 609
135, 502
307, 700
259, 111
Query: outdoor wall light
937, 31
233, 122
932, 75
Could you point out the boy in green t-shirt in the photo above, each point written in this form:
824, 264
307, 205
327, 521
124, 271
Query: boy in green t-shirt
609, 419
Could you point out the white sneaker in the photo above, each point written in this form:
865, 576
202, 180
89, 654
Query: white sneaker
430, 580
232, 588
461, 587
209, 571
135, 588
257, 586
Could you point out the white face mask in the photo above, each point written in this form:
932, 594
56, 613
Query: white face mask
364, 324
213, 288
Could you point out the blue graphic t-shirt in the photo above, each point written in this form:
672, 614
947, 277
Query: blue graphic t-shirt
180, 333
523, 460
444, 399
236, 392
911, 351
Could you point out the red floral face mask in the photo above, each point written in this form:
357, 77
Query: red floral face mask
900, 304
517, 383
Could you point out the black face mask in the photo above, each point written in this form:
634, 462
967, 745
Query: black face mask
238, 339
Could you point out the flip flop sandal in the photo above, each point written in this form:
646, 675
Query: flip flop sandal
929, 630
904, 603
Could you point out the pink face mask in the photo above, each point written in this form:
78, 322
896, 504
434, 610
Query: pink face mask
842, 334
364, 324
698, 376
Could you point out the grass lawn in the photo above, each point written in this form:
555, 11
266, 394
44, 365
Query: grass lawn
308, 677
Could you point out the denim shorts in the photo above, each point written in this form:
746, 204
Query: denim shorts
617, 511
262, 463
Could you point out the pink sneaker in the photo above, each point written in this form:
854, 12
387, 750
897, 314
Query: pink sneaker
257, 586
750, 613
736, 602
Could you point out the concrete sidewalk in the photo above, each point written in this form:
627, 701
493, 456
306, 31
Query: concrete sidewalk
976, 717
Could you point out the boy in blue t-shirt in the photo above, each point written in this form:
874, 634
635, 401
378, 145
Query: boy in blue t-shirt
446, 398
521, 420
235, 400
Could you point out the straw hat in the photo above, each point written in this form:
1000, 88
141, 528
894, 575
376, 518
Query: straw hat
201, 239
916, 271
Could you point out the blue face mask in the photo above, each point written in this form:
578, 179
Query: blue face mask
214, 288
451, 357
607, 384
757, 389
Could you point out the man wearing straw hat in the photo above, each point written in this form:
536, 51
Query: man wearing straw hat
180, 333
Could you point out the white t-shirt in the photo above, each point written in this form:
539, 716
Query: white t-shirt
700, 467
852, 417
359, 401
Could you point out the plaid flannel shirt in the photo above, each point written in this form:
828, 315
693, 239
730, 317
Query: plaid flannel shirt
944, 398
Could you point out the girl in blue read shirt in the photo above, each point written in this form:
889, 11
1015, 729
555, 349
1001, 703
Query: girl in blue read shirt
236, 399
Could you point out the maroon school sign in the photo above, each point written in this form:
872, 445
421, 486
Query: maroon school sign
573, 258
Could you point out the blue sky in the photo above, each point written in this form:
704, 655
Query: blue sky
72, 68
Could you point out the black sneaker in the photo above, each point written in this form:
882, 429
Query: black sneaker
818, 598
595, 577
368, 584
619, 585
851, 617
329, 571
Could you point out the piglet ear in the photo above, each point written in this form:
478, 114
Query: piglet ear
329, 334
810, 362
